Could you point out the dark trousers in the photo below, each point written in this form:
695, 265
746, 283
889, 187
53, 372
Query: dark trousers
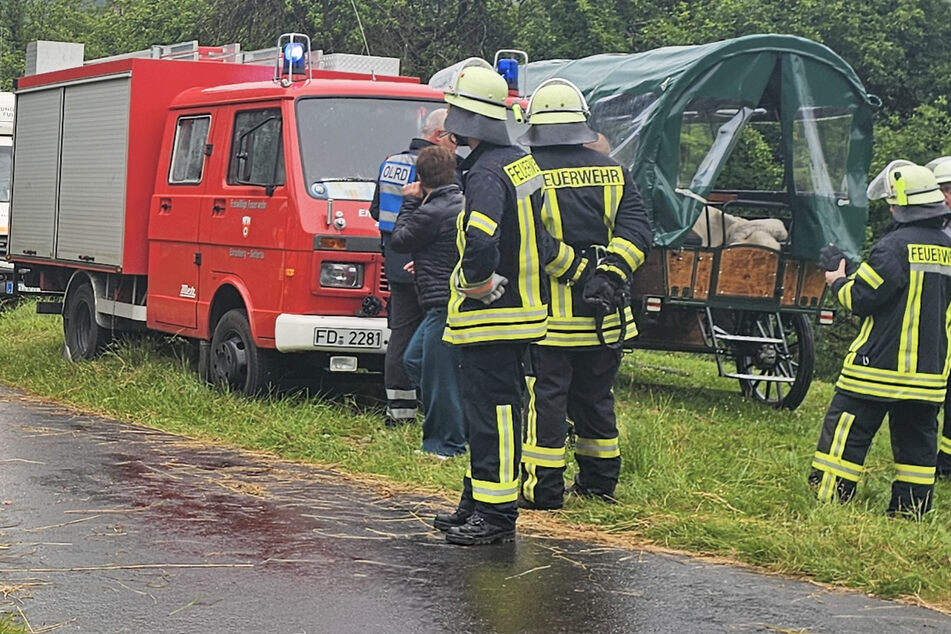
576, 384
433, 365
847, 432
492, 391
944, 441
403, 316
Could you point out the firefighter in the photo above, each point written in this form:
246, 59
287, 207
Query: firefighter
941, 168
590, 202
898, 363
498, 301
403, 312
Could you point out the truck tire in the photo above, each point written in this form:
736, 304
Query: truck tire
83, 337
236, 362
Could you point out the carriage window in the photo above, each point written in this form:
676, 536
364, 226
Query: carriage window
709, 131
188, 154
820, 140
621, 118
756, 162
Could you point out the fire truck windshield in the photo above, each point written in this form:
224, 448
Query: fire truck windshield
5, 154
344, 140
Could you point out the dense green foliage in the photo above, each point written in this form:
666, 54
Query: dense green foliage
704, 469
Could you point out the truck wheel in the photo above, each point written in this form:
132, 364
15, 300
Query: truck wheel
236, 363
84, 338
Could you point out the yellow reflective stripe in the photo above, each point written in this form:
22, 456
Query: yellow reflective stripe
494, 334
590, 176
551, 214
826, 487
880, 374
837, 466
579, 271
628, 251
543, 456
597, 447
914, 474
506, 429
612, 199
482, 222
944, 445
869, 275
531, 414
841, 434
845, 294
900, 392
494, 492
908, 346
513, 315
582, 331
529, 481
562, 262
613, 269
529, 275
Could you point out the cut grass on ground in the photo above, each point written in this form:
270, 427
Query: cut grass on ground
704, 469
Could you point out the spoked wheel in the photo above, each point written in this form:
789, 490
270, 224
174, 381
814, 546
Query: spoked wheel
236, 363
84, 338
788, 355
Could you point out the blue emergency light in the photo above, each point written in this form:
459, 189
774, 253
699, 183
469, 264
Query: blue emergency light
293, 57
508, 69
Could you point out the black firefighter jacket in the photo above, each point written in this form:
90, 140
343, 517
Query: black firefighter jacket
902, 292
501, 232
590, 202
427, 229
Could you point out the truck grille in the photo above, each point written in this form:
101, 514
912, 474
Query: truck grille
384, 283
3, 246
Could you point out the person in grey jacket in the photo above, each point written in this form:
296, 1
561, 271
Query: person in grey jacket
426, 228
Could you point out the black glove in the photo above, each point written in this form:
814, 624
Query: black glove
600, 291
829, 257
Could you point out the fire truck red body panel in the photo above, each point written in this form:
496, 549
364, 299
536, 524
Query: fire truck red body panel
211, 241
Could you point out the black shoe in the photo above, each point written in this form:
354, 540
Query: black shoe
478, 532
579, 491
445, 521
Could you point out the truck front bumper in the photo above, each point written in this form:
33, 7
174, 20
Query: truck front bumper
342, 335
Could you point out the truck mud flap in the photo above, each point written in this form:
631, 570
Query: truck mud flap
49, 308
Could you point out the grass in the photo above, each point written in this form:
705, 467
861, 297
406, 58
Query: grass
704, 469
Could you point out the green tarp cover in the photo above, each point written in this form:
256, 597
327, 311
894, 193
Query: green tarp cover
674, 115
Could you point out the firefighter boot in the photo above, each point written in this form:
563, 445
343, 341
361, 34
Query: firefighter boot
477, 531
578, 490
446, 521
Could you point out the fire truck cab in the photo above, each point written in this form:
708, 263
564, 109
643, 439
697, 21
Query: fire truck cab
216, 200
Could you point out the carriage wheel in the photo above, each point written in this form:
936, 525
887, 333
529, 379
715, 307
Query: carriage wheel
794, 358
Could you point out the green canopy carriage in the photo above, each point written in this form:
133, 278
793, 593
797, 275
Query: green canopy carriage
764, 128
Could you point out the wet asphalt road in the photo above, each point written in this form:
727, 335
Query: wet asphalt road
106, 527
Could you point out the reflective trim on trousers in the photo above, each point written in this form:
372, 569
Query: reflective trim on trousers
944, 444
543, 456
494, 492
400, 395
398, 413
837, 466
914, 474
597, 447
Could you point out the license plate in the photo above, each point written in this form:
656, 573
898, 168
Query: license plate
347, 338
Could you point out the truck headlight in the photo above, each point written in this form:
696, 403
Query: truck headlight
341, 274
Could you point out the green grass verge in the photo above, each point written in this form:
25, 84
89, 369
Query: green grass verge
704, 469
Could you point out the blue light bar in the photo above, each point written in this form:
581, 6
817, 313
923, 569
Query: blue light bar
293, 55
508, 69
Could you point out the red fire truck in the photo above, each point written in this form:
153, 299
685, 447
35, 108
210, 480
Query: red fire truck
221, 201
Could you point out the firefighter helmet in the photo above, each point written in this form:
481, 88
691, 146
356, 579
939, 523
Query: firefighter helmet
942, 169
477, 98
910, 189
558, 115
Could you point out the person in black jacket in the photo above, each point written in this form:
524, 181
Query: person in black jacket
426, 228
898, 363
403, 312
591, 203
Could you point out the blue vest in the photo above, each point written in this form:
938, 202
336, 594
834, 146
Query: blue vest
396, 171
